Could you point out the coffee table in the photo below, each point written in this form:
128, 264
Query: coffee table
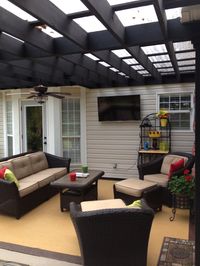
84, 188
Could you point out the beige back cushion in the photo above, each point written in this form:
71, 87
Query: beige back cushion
168, 160
38, 161
22, 167
7, 164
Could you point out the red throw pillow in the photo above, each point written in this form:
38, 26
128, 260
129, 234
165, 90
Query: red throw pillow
176, 166
2, 171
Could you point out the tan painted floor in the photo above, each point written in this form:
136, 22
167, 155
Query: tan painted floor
47, 228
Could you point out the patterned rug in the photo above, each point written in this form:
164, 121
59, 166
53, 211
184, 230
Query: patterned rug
177, 252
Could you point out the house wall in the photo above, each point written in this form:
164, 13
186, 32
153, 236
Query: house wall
110, 143
1, 127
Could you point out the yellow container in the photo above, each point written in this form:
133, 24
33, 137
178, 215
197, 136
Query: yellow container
154, 134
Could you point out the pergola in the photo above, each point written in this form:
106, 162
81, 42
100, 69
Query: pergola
100, 44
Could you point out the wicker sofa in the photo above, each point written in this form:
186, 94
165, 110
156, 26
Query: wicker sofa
34, 172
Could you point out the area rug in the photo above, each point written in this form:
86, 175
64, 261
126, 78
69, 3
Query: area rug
177, 252
17, 255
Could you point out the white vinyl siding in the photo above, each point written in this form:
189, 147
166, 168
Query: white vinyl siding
1, 128
110, 143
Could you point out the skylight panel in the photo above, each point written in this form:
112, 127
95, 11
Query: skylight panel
166, 69
121, 53
167, 73
185, 68
185, 55
73, 7
116, 2
168, 64
143, 72
137, 67
90, 24
130, 61
16, 10
180, 46
173, 13
153, 49
136, 16
51, 32
114, 69
157, 58
13, 37
104, 64
187, 62
93, 57
122, 74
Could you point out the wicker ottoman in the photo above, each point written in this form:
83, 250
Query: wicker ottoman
132, 189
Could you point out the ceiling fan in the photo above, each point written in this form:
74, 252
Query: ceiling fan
40, 94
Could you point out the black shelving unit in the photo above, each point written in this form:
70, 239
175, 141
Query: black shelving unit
155, 140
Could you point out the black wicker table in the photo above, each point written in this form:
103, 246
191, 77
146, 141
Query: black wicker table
84, 188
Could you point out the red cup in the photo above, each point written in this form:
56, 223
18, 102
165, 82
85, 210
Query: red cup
72, 176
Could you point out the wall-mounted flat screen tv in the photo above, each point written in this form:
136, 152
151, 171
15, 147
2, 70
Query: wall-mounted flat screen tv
119, 108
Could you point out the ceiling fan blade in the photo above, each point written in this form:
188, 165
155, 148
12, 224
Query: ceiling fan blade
56, 96
58, 93
31, 96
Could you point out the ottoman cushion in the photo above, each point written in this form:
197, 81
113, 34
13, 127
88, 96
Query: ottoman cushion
133, 187
102, 204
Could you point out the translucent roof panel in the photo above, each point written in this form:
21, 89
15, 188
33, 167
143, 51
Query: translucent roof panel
143, 72
104, 64
168, 64
122, 74
158, 58
130, 61
185, 55
114, 69
167, 73
181, 46
190, 68
73, 7
152, 49
136, 16
49, 31
173, 13
90, 24
170, 69
121, 53
16, 11
93, 57
186, 62
116, 2
137, 67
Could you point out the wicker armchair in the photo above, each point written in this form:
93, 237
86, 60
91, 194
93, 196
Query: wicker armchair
150, 171
113, 237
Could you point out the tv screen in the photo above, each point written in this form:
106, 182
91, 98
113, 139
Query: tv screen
119, 108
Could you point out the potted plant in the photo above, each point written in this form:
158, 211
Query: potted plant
183, 188
163, 115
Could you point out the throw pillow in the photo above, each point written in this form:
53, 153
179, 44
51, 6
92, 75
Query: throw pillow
176, 166
2, 171
136, 204
9, 176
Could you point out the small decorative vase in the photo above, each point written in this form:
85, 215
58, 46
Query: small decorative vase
163, 122
182, 201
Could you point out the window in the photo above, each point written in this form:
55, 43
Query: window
71, 129
9, 131
179, 107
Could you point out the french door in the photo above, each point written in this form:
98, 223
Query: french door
33, 127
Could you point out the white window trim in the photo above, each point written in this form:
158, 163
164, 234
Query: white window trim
192, 107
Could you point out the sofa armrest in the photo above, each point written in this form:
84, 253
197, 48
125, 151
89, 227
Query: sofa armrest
152, 167
8, 190
57, 161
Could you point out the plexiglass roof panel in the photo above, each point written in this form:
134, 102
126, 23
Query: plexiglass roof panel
51, 32
153, 49
186, 62
130, 61
91, 56
137, 67
104, 63
16, 10
136, 16
116, 2
190, 68
121, 53
181, 46
168, 64
173, 13
90, 24
157, 58
166, 69
143, 72
185, 55
114, 69
68, 8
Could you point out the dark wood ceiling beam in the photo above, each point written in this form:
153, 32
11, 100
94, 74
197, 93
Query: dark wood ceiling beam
179, 3
49, 14
162, 18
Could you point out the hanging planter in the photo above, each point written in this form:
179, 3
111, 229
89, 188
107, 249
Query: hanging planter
163, 122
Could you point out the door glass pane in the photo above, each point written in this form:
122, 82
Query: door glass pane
34, 128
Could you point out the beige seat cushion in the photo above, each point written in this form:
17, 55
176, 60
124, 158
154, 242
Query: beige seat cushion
102, 204
38, 161
133, 187
22, 167
159, 179
168, 160
27, 186
58, 172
